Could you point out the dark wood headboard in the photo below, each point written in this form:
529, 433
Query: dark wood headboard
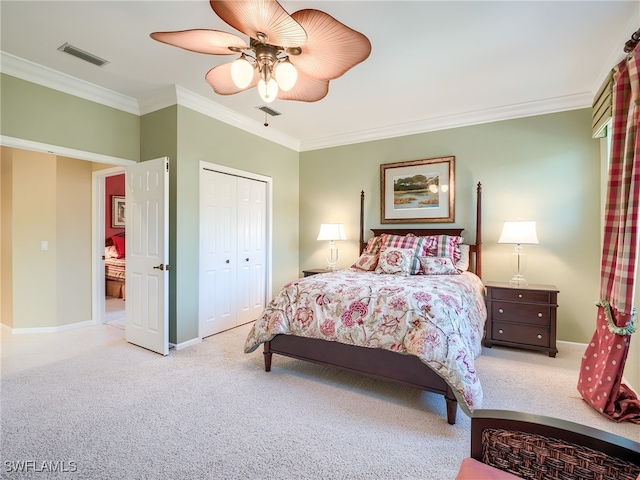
474, 249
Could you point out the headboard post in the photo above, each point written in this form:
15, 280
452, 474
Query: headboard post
361, 222
479, 231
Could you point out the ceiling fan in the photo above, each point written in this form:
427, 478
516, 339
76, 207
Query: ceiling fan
290, 57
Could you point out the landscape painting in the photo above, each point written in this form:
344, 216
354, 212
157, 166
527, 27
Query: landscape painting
418, 191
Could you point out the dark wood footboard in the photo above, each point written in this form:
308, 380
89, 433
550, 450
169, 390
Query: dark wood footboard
377, 363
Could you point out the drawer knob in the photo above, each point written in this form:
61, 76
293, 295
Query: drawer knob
500, 331
539, 337
519, 295
539, 315
500, 310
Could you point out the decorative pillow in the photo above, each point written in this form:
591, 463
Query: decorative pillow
367, 262
110, 252
418, 244
373, 246
438, 266
119, 243
444, 246
395, 261
463, 263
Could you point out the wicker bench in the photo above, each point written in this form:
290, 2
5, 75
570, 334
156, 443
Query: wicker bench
505, 444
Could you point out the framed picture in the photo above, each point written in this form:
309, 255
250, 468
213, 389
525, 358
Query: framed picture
117, 211
419, 191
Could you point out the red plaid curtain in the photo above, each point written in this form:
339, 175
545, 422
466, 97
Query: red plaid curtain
600, 382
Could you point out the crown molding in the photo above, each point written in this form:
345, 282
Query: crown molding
62, 151
509, 112
47, 77
212, 109
175, 95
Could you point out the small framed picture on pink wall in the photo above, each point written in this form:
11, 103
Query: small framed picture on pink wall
117, 211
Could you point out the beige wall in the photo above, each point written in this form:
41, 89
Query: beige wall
6, 235
34, 221
73, 240
46, 199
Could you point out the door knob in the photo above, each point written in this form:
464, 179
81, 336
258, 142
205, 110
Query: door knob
246, 259
227, 261
160, 267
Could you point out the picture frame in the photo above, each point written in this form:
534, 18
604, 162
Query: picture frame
418, 191
117, 211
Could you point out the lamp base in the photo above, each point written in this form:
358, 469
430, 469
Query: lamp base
518, 281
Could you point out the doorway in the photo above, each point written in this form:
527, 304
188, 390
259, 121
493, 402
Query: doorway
109, 233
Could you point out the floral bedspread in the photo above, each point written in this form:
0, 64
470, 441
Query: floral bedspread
438, 318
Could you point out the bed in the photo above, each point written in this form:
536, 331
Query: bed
328, 320
114, 264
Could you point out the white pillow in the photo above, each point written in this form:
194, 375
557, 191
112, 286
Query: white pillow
395, 261
463, 263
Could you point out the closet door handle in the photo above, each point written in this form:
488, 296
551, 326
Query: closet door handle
246, 259
226, 261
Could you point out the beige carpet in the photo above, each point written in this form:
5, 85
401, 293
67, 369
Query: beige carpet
211, 412
114, 312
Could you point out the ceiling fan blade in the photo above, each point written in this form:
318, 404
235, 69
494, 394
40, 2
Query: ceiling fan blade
332, 48
306, 89
220, 80
264, 16
212, 42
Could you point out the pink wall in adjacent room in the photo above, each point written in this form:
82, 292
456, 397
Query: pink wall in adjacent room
113, 186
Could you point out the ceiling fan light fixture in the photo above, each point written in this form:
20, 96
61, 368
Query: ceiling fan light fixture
242, 72
286, 75
268, 90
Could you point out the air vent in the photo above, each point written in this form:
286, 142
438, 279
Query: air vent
269, 110
82, 55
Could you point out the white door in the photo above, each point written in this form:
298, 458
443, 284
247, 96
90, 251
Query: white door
232, 251
147, 254
251, 288
218, 262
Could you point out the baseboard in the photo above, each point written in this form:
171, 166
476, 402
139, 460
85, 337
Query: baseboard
188, 343
62, 328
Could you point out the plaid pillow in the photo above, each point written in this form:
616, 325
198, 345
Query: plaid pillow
373, 246
443, 246
418, 244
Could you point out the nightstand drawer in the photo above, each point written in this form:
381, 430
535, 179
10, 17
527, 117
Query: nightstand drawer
522, 313
517, 295
525, 334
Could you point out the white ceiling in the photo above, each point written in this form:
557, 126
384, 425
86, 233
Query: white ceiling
433, 64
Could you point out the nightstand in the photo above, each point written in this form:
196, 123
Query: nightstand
314, 271
522, 317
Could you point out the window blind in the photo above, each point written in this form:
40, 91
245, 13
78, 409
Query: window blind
601, 108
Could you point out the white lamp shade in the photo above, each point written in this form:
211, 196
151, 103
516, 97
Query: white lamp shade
286, 75
519, 233
268, 90
241, 72
331, 231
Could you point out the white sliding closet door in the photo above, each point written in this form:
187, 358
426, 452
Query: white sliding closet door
232, 251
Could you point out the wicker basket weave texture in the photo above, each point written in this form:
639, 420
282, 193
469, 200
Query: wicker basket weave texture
535, 457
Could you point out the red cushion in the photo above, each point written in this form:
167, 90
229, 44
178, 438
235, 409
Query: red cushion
472, 469
119, 243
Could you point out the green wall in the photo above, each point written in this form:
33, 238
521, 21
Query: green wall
40, 114
201, 138
544, 168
